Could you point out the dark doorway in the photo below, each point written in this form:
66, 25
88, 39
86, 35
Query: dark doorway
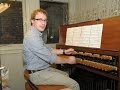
57, 15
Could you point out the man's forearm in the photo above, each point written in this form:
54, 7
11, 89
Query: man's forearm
65, 59
57, 51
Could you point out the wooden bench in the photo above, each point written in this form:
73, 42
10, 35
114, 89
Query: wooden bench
30, 86
44, 87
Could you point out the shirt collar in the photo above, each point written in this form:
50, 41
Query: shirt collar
36, 31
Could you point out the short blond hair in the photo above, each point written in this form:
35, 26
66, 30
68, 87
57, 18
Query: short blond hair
34, 13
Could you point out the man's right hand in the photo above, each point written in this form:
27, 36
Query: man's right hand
71, 60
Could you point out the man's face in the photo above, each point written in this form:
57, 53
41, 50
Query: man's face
40, 21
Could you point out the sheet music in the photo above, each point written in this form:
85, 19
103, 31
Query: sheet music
86, 36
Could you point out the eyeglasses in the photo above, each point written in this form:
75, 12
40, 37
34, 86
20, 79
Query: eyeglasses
41, 20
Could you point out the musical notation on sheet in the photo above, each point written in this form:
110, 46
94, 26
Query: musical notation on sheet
86, 36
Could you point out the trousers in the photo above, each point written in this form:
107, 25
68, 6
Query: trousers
52, 76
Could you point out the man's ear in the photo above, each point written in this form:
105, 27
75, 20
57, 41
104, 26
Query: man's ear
32, 22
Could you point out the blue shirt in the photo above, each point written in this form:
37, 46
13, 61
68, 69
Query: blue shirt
37, 55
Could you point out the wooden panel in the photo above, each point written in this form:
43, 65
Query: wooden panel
110, 35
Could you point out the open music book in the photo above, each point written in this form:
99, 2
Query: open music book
85, 36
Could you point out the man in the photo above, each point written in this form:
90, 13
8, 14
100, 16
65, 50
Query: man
38, 57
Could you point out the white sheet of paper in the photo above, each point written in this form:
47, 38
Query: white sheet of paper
85, 36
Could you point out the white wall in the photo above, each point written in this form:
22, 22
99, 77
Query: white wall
88, 10
11, 57
56, 0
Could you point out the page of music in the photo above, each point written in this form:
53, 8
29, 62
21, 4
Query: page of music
85, 36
